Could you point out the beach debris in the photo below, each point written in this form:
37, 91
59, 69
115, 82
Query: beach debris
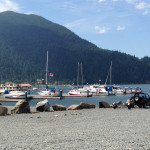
81, 106
55, 115
21, 106
130, 103
117, 104
43, 106
59, 108
3, 111
103, 104
114, 105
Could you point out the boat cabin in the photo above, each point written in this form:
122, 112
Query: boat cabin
24, 87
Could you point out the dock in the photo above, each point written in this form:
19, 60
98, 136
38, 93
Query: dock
100, 94
29, 97
9, 100
67, 95
43, 97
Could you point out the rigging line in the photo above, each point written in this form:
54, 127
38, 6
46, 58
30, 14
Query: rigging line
109, 73
46, 67
78, 76
82, 74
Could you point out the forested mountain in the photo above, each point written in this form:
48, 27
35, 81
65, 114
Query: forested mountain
24, 40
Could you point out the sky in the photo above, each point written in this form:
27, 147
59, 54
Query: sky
120, 25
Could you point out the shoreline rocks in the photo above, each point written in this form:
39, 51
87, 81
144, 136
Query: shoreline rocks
3, 111
59, 108
21, 106
43, 106
81, 106
103, 104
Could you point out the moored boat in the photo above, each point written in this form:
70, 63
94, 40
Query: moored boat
118, 89
107, 89
15, 95
102, 89
80, 92
129, 90
50, 92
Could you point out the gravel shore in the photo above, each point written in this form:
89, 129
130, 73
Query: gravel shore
88, 129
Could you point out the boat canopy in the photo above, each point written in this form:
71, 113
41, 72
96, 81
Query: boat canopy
51, 90
6, 92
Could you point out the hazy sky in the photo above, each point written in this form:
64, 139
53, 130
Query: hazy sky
122, 25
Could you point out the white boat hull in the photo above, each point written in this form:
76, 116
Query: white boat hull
80, 92
15, 95
48, 93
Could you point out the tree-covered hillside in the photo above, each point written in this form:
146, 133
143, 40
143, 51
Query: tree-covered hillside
24, 40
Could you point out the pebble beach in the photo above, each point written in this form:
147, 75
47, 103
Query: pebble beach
87, 129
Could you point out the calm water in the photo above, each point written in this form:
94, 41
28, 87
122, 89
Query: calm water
91, 100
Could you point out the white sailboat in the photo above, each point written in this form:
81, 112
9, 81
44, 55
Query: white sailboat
48, 92
107, 89
80, 91
114, 89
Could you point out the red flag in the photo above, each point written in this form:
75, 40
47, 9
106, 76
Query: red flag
51, 74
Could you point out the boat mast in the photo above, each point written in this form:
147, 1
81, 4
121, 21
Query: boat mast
78, 76
110, 71
46, 68
107, 77
1, 80
82, 74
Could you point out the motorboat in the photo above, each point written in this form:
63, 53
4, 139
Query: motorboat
80, 92
34, 88
44, 92
129, 90
93, 88
137, 90
118, 89
107, 89
102, 89
14, 94
51, 92
2, 91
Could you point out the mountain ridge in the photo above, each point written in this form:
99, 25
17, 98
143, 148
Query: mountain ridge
24, 41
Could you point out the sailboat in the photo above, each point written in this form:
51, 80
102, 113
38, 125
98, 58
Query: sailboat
48, 92
80, 91
112, 89
116, 89
107, 89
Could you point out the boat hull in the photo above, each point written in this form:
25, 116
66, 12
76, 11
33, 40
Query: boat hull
15, 95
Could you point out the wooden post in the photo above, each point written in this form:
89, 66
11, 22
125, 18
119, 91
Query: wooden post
26, 95
87, 93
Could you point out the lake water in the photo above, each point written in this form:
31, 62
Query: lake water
67, 101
